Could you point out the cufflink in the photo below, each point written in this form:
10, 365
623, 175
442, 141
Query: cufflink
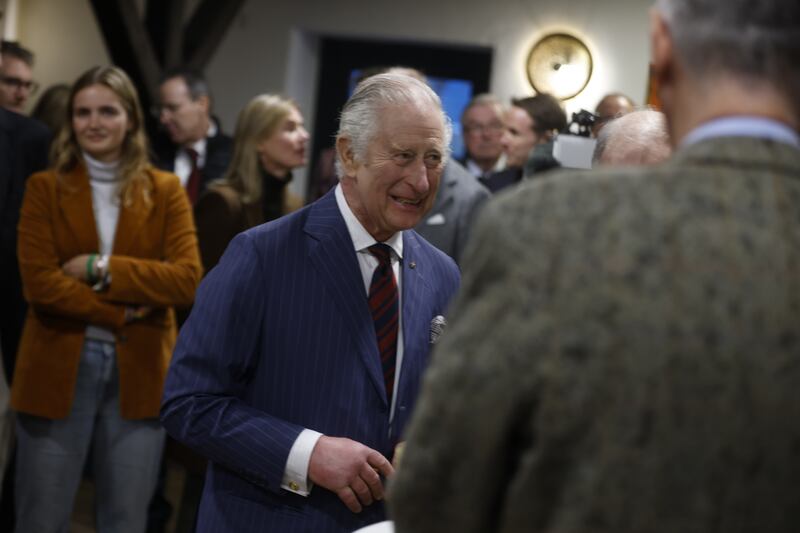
294, 486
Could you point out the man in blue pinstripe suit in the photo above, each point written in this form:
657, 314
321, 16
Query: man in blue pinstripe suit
277, 377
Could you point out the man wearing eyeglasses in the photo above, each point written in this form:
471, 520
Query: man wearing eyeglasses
16, 77
198, 152
482, 124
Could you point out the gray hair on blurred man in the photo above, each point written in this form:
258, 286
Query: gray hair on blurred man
623, 354
638, 138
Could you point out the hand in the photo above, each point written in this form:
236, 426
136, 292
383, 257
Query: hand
76, 267
398, 454
349, 469
136, 312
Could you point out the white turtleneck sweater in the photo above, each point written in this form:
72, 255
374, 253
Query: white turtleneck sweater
105, 204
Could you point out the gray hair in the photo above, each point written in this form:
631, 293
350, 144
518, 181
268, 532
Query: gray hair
485, 99
195, 81
360, 116
758, 41
637, 138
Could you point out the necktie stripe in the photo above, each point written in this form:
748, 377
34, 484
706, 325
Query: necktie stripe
383, 302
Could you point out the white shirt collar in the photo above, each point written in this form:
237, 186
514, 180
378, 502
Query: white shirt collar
360, 236
200, 145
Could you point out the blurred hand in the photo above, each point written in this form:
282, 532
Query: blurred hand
76, 267
136, 312
398, 454
349, 469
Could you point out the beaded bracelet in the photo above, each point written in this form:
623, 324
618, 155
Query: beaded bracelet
90, 269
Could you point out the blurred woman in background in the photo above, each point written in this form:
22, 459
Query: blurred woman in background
51, 108
106, 249
270, 141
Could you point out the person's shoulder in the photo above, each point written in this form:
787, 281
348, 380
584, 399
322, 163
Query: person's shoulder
220, 141
163, 178
435, 255
24, 128
594, 182
465, 183
283, 229
42, 178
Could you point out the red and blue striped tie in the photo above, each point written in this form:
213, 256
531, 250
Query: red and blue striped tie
383, 303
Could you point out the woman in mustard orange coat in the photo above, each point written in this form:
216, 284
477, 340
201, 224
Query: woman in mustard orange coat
107, 248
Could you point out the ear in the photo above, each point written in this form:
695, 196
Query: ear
661, 47
204, 102
344, 150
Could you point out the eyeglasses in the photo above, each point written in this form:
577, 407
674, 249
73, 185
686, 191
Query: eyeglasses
493, 128
171, 109
17, 83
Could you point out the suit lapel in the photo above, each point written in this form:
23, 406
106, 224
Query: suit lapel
76, 205
333, 255
131, 220
415, 293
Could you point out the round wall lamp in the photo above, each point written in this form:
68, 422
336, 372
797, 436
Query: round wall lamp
559, 64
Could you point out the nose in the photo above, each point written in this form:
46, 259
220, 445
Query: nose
304, 134
93, 120
419, 179
505, 141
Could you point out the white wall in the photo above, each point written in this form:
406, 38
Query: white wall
254, 55
271, 45
65, 38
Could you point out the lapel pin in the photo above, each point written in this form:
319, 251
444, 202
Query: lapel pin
412, 264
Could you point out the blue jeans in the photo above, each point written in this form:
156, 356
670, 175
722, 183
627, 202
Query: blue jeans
51, 455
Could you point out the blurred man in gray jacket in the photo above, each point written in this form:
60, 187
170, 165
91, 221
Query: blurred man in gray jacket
624, 354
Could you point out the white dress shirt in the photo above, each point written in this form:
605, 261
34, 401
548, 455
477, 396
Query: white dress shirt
295, 476
183, 162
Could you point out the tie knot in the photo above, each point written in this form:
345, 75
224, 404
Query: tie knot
383, 252
193, 155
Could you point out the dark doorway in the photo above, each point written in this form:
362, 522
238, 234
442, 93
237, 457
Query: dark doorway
340, 58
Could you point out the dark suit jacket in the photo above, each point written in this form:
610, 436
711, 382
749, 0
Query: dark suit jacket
219, 150
497, 181
281, 339
23, 150
624, 356
458, 202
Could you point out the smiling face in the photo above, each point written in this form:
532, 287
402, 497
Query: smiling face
285, 149
395, 186
100, 122
185, 119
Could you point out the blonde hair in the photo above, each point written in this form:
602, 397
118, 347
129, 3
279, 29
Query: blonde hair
66, 152
260, 119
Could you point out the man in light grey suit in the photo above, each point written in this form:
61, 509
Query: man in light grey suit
624, 355
458, 202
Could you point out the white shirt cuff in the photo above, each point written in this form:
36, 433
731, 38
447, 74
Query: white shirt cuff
295, 476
